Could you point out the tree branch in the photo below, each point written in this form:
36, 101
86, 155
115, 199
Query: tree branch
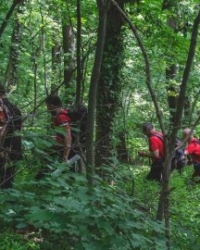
8, 15
183, 87
147, 64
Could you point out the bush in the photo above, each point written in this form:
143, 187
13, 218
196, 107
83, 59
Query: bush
13, 241
72, 215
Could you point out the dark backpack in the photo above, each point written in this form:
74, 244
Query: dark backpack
178, 160
78, 117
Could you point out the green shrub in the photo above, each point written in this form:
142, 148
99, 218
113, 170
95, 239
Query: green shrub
72, 215
13, 241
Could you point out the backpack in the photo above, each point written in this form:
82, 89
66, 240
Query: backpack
178, 159
56, 119
78, 117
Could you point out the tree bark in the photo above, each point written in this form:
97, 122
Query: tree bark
110, 85
68, 48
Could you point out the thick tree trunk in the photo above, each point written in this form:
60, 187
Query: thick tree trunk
109, 89
11, 72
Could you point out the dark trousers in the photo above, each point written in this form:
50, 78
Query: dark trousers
156, 171
196, 172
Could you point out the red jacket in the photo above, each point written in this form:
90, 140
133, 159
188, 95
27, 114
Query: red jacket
193, 149
157, 143
61, 120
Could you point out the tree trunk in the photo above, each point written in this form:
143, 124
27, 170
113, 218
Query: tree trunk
68, 48
79, 77
56, 64
11, 78
103, 10
109, 88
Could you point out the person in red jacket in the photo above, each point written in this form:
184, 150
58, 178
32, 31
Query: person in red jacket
61, 148
155, 153
192, 150
60, 118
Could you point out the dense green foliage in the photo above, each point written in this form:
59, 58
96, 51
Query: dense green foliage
64, 209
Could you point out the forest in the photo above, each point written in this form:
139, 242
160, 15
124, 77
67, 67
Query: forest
128, 62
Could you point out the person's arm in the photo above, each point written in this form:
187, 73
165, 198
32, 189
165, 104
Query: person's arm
67, 143
150, 154
186, 153
186, 156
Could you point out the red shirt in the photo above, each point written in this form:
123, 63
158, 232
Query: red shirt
156, 143
61, 120
193, 150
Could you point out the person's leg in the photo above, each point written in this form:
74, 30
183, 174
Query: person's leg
155, 172
196, 172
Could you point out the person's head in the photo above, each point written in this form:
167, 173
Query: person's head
147, 128
53, 103
187, 134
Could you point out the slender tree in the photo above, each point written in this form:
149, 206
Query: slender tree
103, 13
56, 60
78, 56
